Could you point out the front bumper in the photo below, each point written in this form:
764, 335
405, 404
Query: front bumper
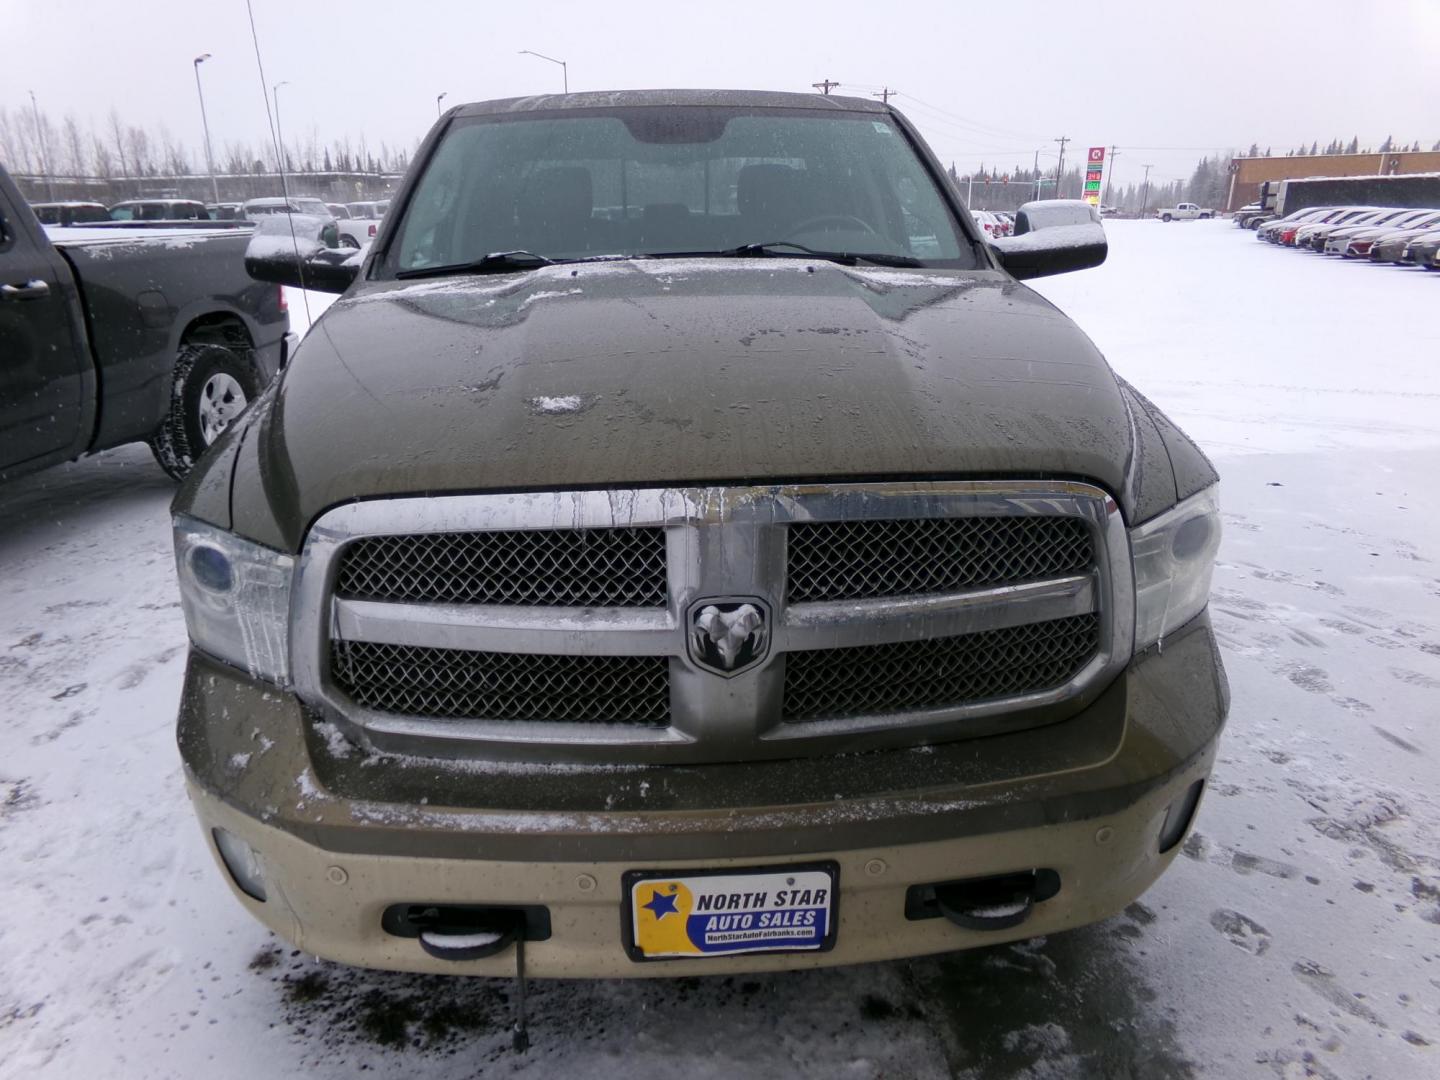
342, 835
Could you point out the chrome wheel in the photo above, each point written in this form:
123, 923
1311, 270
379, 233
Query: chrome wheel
221, 400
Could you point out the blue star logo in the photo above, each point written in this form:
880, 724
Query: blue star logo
661, 904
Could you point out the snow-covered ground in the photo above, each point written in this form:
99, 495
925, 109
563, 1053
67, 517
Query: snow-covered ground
1299, 935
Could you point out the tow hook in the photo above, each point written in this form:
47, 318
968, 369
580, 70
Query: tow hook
999, 902
488, 935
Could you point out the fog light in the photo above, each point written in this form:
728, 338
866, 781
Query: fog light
242, 862
1177, 818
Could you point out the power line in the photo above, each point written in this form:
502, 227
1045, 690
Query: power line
984, 128
1215, 148
885, 94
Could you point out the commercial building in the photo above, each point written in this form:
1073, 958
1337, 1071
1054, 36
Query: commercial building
1247, 173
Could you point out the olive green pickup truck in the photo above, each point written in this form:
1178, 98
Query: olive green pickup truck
687, 547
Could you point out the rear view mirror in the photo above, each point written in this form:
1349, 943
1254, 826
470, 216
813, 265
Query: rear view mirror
309, 257
1053, 236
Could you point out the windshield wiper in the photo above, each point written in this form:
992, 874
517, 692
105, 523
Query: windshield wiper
497, 262
800, 251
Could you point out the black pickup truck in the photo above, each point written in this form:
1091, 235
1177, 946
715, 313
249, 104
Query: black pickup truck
112, 337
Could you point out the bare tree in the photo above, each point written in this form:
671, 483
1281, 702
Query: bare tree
12, 137
104, 164
235, 158
174, 159
117, 132
73, 141
137, 142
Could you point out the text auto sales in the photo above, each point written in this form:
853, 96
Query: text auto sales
748, 908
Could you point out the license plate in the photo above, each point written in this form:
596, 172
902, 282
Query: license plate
724, 912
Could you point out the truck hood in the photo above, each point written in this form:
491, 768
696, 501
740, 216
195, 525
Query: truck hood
679, 372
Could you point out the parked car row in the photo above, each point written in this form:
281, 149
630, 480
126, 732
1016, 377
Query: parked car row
358, 226
995, 222
1379, 233
358, 222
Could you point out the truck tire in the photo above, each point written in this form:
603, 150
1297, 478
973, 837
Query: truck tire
1204, 217
211, 387
1166, 217
349, 242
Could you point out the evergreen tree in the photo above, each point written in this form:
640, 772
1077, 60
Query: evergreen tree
1354, 145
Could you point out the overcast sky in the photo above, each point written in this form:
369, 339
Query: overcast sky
991, 82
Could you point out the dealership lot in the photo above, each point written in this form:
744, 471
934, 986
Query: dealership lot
1297, 937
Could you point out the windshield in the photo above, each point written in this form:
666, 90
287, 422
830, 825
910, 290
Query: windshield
656, 181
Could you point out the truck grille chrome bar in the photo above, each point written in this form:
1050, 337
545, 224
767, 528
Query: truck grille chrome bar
704, 624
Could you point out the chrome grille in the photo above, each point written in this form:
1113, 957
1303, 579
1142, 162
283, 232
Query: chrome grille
464, 684
867, 680
562, 626
621, 567
855, 560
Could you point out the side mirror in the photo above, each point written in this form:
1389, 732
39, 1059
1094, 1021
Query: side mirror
310, 257
1053, 236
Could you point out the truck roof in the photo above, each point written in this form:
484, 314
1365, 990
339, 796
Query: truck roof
611, 99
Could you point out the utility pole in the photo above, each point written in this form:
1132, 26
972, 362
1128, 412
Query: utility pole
1145, 199
1037, 174
205, 122
41, 150
1060, 168
884, 95
1109, 169
824, 86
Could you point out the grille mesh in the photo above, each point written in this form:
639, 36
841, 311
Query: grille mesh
855, 560
462, 684
866, 680
622, 567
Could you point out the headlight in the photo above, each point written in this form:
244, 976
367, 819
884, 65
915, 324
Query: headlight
1174, 556
236, 596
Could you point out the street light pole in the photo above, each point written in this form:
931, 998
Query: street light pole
205, 122
41, 149
439, 98
564, 69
